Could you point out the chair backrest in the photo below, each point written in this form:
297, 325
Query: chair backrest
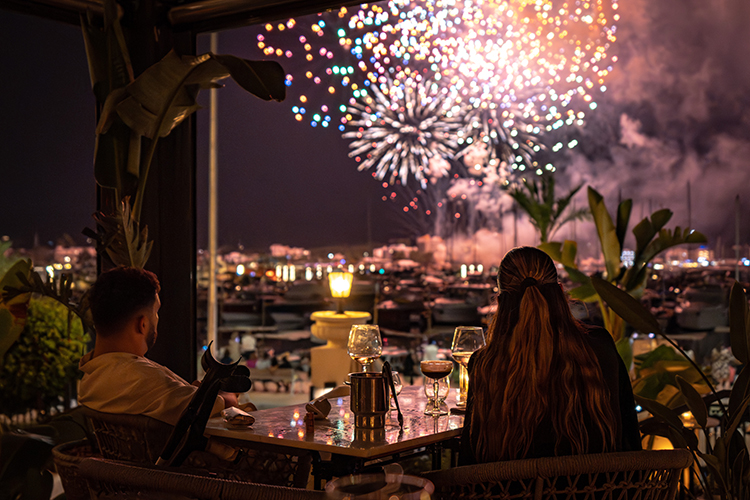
67, 457
134, 438
640, 475
113, 479
141, 439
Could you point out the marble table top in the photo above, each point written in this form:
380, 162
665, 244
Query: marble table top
285, 426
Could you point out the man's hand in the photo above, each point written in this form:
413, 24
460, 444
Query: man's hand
230, 399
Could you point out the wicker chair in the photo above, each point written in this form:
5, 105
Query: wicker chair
639, 475
67, 458
140, 439
109, 479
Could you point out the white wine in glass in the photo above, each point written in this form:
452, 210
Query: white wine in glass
466, 340
365, 344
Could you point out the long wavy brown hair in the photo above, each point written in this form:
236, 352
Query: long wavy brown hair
536, 364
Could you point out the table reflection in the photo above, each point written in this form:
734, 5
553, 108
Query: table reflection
284, 426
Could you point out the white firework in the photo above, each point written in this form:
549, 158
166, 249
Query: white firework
400, 128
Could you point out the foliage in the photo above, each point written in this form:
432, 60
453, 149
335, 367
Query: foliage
547, 213
651, 239
44, 360
59, 289
138, 111
13, 311
119, 239
727, 472
656, 375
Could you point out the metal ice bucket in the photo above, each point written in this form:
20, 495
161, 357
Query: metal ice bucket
369, 399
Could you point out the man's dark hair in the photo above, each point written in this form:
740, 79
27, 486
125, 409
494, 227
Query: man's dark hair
120, 293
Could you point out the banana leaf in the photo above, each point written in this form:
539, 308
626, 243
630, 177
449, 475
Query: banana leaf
607, 232
738, 324
627, 307
623, 219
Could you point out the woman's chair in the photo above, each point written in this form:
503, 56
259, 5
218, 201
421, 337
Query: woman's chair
140, 439
638, 475
109, 479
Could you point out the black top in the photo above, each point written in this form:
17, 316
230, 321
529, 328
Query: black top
627, 436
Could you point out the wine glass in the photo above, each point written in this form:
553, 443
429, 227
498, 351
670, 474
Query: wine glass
466, 340
397, 385
435, 370
365, 345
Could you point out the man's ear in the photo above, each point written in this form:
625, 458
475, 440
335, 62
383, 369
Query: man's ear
141, 324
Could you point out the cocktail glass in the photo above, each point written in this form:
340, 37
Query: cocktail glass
435, 370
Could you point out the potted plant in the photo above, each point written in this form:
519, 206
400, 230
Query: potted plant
138, 111
651, 237
727, 472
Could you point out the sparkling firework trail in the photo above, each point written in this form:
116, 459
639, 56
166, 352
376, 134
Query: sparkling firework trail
402, 129
497, 75
520, 67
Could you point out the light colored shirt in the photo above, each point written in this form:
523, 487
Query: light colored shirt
120, 382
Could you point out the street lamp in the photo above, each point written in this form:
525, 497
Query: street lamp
340, 283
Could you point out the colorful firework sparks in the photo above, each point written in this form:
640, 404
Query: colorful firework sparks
520, 67
401, 129
513, 70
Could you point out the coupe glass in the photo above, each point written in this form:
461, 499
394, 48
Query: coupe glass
365, 344
443, 388
466, 340
435, 370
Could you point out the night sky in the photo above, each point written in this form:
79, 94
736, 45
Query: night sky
676, 111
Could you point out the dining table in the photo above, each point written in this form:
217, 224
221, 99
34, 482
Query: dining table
338, 447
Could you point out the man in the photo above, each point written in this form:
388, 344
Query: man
117, 377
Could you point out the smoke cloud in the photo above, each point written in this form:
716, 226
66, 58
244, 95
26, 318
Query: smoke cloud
676, 112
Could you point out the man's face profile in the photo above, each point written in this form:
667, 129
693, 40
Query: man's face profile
153, 323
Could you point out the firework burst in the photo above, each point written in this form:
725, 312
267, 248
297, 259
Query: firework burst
400, 129
417, 84
519, 68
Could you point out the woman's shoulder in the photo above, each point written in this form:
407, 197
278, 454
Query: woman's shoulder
598, 334
601, 342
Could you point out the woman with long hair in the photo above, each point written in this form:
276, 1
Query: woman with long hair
545, 384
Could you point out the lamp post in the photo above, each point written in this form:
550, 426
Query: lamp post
340, 284
330, 364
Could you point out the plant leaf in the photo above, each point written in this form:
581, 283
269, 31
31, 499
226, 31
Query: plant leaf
623, 219
737, 417
625, 306
607, 234
714, 465
13, 310
263, 79
661, 412
165, 94
738, 317
739, 390
694, 401
660, 218
668, 239
119, 236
